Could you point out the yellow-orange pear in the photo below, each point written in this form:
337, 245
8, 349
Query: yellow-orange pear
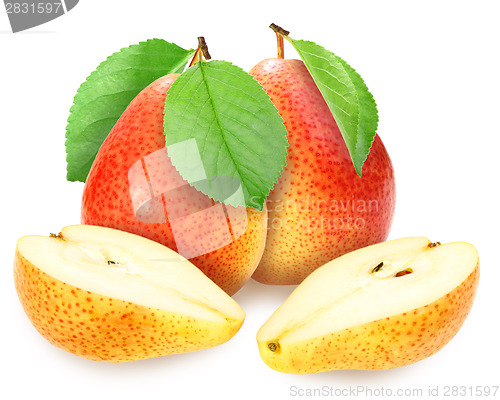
109, 295
383, 306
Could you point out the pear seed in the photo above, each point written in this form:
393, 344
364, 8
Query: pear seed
404, 272
378, 267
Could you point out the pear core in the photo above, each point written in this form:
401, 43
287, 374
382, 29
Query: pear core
127, 267
369, 284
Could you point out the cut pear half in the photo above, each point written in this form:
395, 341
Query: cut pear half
382, 306
109, 295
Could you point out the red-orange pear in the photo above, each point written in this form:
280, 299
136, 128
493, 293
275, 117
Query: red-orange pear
133, 186
320, 208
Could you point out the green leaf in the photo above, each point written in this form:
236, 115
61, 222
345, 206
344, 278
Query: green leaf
222, 128
347, 96
368, 118
106, 93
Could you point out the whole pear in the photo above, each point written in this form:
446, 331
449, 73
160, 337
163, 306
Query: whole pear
133, 186
320, 208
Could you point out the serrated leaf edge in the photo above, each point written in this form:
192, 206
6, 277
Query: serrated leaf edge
283, 163
84, 86
354, 156
370, 95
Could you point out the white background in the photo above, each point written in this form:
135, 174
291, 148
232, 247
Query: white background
433, 67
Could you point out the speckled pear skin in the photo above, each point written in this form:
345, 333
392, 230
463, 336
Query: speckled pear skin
105, 329
383, 344
320, 208
106, 198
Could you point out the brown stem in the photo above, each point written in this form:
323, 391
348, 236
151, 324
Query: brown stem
203, 46
279, 29
280, 32
281, 46
201, 52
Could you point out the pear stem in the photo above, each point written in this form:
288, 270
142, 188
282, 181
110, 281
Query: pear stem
204, 48
280, 32
281, 46
201, 52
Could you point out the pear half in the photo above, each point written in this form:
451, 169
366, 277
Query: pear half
380, 307
109, 295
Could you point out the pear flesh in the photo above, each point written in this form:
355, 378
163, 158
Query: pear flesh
109, 295
379, 307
